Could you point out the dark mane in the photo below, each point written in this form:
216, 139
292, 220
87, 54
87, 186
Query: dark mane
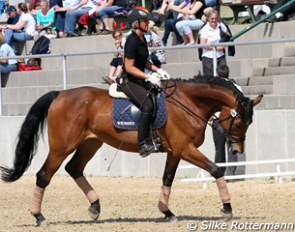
217, 81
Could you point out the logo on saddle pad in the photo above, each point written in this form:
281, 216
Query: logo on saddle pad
126, 114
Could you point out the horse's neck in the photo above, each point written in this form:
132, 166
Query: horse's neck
215, 98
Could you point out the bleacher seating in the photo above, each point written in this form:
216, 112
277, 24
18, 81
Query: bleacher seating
257, 68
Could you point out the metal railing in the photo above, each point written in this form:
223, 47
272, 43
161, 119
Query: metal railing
278, 174
64, 56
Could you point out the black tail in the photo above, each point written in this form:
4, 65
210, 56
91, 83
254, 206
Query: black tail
28, 137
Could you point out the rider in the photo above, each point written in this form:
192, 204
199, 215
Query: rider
136, 84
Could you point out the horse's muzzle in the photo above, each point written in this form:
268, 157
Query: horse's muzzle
236, 148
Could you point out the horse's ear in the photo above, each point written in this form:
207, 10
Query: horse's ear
257, 100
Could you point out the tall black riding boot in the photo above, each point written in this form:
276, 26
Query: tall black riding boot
143, 135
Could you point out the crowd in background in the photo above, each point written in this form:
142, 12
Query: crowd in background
66, 18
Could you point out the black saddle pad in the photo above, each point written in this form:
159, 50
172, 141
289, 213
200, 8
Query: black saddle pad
126, 114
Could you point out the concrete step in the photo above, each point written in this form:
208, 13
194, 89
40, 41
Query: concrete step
257, 89
275, 102
269, 71
282, 61
17, 101
54, 77
183, 70
257, 80
29, 94
284, 84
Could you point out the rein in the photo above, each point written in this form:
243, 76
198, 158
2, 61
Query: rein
180, 103
233, 114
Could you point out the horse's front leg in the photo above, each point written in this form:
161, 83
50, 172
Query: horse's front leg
168, 177
194, 156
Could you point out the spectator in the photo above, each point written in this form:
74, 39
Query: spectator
45, 19
3, 5
117, 62
80, 8
162, 10
192, 14
7, 65
12, 15
23, 30
210, 33
158, 57
105, 11
287, 14
170, 25
219, 138
34, 6
60, 7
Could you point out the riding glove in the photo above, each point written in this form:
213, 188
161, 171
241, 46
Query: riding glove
164, 74
154, 78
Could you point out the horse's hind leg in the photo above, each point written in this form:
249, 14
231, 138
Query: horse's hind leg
44, 176
75, 168
168, 177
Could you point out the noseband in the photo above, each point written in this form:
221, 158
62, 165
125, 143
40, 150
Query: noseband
227, 133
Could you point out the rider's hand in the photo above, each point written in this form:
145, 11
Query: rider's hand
154, 78
164, 74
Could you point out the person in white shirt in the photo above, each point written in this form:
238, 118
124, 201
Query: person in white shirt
23, 30
6, 65
210, 33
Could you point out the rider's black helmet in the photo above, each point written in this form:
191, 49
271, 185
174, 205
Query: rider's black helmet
137, 14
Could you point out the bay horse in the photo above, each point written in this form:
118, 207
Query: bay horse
80, 120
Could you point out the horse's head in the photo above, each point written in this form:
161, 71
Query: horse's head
235, 122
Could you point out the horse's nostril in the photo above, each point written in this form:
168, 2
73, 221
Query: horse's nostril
235, 152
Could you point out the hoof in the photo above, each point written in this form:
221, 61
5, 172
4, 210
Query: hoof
170, 219
94, 210
227, 215
40, 220
169, 216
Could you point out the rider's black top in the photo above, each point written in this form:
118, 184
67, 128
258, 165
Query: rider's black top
136, 49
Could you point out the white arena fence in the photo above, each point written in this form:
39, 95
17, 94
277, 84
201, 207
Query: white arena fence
201, 176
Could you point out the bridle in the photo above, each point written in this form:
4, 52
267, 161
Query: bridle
233, 114
227, 133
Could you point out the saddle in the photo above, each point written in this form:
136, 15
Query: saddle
126, 114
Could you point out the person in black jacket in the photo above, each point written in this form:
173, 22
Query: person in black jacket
12, 15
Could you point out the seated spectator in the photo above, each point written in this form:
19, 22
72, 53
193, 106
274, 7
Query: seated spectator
158, 57
192, 14
12, 15
170, 25
164, 6
3, 5
287, 14
105, 11
34, 6
7, 65
45, 19
117, 62
80, 8
60, 7
23, 30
